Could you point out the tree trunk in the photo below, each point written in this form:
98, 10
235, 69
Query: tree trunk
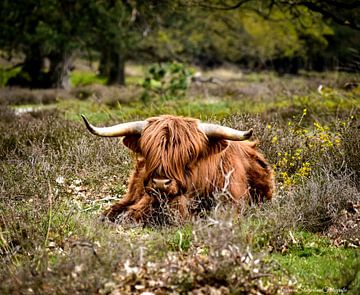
60, 66
31, 74
104, 66
117, 69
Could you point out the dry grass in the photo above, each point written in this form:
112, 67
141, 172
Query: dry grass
56, 179
17, 96
98, 93
110, 95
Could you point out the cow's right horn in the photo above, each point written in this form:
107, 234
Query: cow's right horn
218, 131
130, 128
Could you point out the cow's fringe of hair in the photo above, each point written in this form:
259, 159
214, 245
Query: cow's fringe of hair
169, 144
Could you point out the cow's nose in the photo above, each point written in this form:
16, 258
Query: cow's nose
161, 184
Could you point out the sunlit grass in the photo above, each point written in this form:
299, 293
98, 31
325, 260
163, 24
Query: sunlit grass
217, 109
197, 108
81, 78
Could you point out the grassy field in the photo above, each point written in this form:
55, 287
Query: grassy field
56, 178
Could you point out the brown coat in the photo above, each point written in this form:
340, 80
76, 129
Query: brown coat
174, 148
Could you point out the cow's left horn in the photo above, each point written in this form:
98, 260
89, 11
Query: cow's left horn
130, 128
214, 130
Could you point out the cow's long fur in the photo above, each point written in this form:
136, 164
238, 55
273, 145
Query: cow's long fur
175, 148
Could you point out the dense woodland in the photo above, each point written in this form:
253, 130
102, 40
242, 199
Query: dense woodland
42, 39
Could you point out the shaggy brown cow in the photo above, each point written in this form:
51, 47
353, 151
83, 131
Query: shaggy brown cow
181, 159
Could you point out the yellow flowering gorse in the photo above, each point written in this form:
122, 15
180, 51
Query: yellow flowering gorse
296, 163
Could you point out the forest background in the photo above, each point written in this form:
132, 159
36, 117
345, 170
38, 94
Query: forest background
42, 39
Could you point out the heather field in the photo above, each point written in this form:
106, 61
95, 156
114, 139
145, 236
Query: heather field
56, 178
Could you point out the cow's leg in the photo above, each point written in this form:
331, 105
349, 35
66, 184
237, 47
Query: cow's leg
134, 195
135, 208
116, 209
139, 210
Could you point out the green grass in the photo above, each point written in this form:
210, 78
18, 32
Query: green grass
222, 100
134, 80
83, 78
199, 109
317, 265
80, 78
180, 239
204, 110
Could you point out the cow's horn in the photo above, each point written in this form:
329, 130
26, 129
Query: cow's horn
130, 128
214, 130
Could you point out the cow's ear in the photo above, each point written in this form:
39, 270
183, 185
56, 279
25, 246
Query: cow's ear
132, 142
216, 146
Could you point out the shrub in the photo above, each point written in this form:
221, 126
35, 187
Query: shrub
315, 166
166, 82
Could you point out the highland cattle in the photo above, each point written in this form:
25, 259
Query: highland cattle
180, 160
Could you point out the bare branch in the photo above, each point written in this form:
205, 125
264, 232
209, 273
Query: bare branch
328, 9
326, 13
219, 7
352, 5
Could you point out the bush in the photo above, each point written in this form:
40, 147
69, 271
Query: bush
166, 82
315, 166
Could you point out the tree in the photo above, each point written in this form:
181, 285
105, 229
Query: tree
113, 37
120, 27
242, 36
43, 30
346, 12
55, 30
278, 34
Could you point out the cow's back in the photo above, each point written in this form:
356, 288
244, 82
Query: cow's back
240, 170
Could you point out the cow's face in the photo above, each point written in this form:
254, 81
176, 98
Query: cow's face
171, 150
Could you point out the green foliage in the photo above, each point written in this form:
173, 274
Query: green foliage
43, 29
166, 82
240, 35
272, 34
6, 74
57, 29
180, 239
